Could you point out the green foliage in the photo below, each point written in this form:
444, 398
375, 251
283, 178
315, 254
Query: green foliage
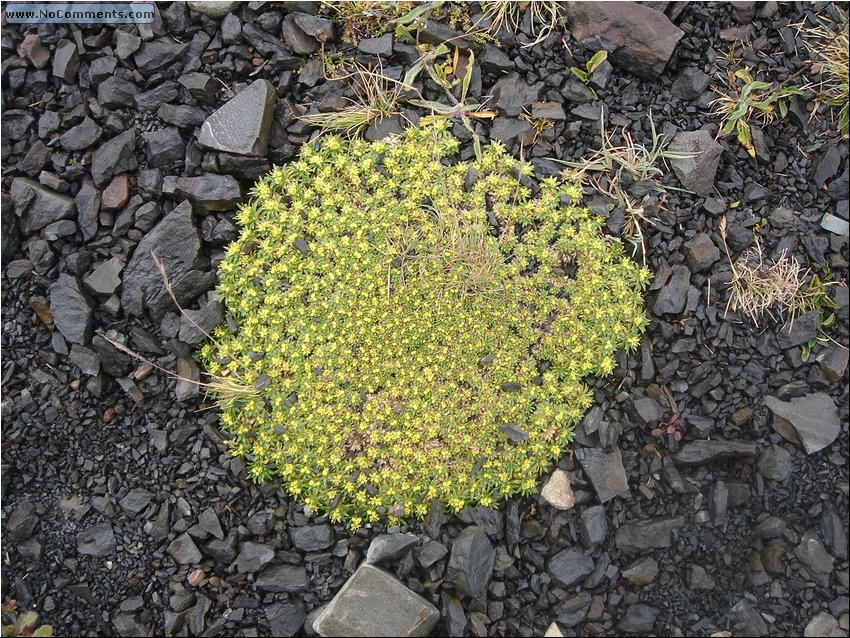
592, 64
25, 624
748, 97
406, 349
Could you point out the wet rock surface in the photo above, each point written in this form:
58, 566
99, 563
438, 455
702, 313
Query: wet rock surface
123, 513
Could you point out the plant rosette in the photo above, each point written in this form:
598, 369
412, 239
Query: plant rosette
407, 327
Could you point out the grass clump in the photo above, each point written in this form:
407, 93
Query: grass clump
419, 327
508, 14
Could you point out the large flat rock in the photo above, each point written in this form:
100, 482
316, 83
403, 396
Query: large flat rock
242, 125
374, 603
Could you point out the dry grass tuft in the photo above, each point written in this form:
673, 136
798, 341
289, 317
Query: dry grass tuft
508, 14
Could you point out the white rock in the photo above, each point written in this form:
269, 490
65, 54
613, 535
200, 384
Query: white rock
558, 492
213, 9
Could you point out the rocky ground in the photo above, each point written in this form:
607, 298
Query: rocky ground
122, 513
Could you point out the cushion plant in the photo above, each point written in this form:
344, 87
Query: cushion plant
405, 326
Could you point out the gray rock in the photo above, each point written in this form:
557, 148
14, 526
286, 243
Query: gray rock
196, 325
283, 578
835, 225
66, 61
823, 625
594, 527
430, 553
775, 463
57, 230
253, 557
813, 555
21, 523
126, 624
494, 60
136, 500
746, 621
96, 541
188, 373
115, 92
487, 518
557, 491
184, 550
573, 610
834, 534
209, 523
648, 410
381, 46
71, 309
311, 538
150, 100
201, 86
690, 84
642, 571
436, 33
453, 614
471, 562
389, 547
285, 618
639, 619
156, 54
212, 9
827, 167
548, 110
118, 155
373, 603
126, 44
511, 94
705, 452
181, 116
605, 471
165, 147
88, 207
106, 278
832, 362
298, 39
212, 192
803, 329
673, 296
176, 242
641, 40
636, 536
570, 567
231, 29
701, 253
37, 206
81, 136
696, 173
508, 129
699, 578
222, 550
814, 419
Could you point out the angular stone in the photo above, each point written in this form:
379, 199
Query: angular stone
81, 136
242, 125
813, 555
184, 550
548, 110
381, 46
374, 603
126, 44
21, 523
636, 536
283, 578
389, 547
822, 625
641, 572
66, 61
115, 156
639, 619
71, 309
106, 278
156, 54
213, 192
701, 253
832, 362
181, 116
570, 567
558, 492
814, 419
176, 243
201, 86
640, 39
212, 9
285, 618
253, 557
690, 84
471, 562
116, 93
696, 172
573, 610
197, 325
511, 94
33, 50
88, 207
673, 296
835, 225
312, 538
775, 463
804, 328
605, 471
594, 526
96, 541
136, 500
116, 194
37, 206
165, 147
705, 452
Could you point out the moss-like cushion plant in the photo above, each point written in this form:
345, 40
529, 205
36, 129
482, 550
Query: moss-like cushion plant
409, 327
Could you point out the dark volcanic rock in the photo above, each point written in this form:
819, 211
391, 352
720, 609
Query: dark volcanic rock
640, 39
690, 84
156, 54
165, 146
605, 471
471, 562
115, 156
705, 452
242, 125
814, 419
701, 253
639, 619
21, 523
66, 61
389, 547
286, 618
283, 578
115, 92
81, 136
176, 242
804, 328
312, 538
37, 206
570, 567
637, 536
213, 192
97, 541
511, 94
673, 296
697, 171
71, 309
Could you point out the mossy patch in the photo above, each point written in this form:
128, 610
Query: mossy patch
415, 327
